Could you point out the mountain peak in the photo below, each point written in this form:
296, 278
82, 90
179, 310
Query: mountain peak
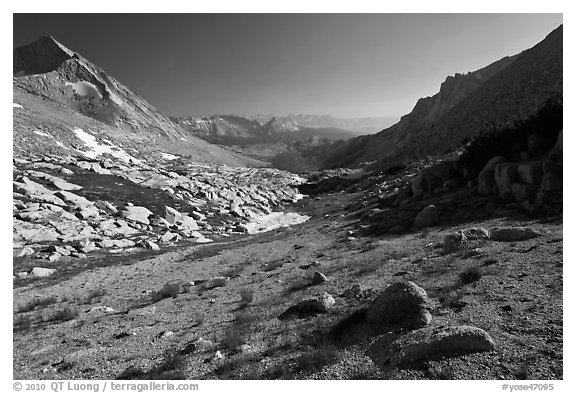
43, 55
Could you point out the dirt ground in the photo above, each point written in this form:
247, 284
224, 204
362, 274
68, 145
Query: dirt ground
115, 317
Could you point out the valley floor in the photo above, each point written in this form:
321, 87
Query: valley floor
143, 319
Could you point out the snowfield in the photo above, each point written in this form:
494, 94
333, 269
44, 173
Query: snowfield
97, 149
273, 221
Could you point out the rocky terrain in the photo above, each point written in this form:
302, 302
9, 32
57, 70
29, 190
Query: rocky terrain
133, 259
509, 90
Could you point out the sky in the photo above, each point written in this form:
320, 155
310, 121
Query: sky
344, 65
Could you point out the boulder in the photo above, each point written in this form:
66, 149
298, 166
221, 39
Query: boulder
491, 164
37, 192
188, 224
419, 185
402, 304
73, 199
42, 272
551, 182
505, 175
513, 234
318, 278
430, 343
33, 233
523, 192
106, 207
137, 213
309, 307
86, 212
476, 233
215, 282
172, 215
442, 172
150, 245
120, 243
453, 242
530, 172
427, 217
64, 185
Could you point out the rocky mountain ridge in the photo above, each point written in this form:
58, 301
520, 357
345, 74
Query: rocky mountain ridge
508, 90
56, 90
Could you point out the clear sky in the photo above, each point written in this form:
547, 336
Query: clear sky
344, 65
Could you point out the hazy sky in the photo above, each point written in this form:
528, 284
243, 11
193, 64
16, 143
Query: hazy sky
345, 65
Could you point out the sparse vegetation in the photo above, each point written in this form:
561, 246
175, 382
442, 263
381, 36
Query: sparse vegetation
172, 367
239, 332
268, 267
93, 296
246, 296
470, 275
316, 360
37, 302
170, 289
61, 314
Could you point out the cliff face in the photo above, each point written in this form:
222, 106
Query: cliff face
511, 89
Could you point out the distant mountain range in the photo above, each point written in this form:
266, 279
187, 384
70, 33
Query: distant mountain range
508, 90
237, 130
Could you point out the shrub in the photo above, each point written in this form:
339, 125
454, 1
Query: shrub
470, 275
62, 314
36, 302
246, 296
170, 289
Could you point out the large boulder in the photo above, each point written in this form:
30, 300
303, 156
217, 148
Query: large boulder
430, 343
487, 183
400, 305
530, 172
442, 172
73, 199
37, 192
419, 185
513, 234
491, 164
427, 217
42, 272
137, 213
505, 175
522, 191
551, 182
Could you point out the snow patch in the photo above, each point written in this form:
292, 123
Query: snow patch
168, 156
42, 134
96, 149
85, 89
62, 145
273, 221
15, 105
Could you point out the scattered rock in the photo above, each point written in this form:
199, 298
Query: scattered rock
430, 343
453, 242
